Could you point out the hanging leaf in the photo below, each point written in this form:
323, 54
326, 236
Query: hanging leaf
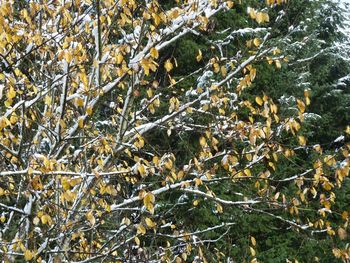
154, 53
28, 255
199, 56
168, 65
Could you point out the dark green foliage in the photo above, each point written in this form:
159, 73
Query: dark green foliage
314, 65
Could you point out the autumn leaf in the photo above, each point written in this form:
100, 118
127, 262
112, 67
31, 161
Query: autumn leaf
11, 93
301, 106
199, 56
259, 101
342, 233
141, 229
148, 202
253, 241
149, 222
137, 241
257, 42
278, 63
154, 53
90, 217
168, 65
302, 140
119, 58
28, 255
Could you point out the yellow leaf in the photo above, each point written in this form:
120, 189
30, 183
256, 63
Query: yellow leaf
266, 17
48, 100
342, 233
259, 17
168, 164
253, 240
65, 183
329, 160
302, 140
273, 108
4, 122
347, 130
219, 208
26, 16
126, 221
65, 45
257, 42
148, 198
269, 60
11, 93
68, 56
148, 202
199, 56
62, 124
249, 43
141, 229
168, 65
198, 181
223, 71
259, 101
330, 231
137, 241
328, 186
28, 255
13, 118
301, 106
156, 19
79, 102
141, 169
145, 65
89, 110
202, 141
150, 223
154, 53
252, 251
306, 93
155, 160
81, 122
47, 163
278, 64
229, 4
307, 101
149, 93
146, 15
345, 215
318, 148
337, 252
45, 219
216, 67
252, 13
119, 58
276, 51
90, 217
